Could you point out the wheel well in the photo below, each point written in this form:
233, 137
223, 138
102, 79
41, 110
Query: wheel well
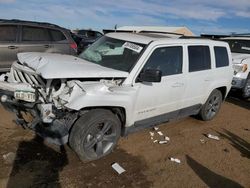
118, 111
223, 91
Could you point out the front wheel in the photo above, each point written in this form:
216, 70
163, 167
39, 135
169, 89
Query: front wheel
95, 134
212, 106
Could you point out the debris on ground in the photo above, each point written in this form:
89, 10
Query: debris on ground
163, 142
151, 134
167, 138
226, 150
2, 77
9, 158
247, 129
160, 133
155, 141
175, 160
156, 128
213, 137
118, 168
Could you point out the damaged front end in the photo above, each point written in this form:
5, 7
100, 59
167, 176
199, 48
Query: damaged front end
47, 106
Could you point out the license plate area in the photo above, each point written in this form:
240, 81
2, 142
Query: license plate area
25, 96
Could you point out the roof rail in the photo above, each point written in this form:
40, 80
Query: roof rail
28, 22
161, 32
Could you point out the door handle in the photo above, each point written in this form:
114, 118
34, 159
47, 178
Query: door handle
12, 47
178, 84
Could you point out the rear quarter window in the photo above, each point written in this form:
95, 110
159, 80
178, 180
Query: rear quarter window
199, 58
221, 56
8, 33
57, 35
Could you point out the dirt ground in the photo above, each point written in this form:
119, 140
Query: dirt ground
210, 163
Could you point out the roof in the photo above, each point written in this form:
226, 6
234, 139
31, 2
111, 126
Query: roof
144, 38
16, 21
180, 30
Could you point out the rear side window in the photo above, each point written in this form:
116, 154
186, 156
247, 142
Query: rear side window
199, 58
221, 56
8, 33
57, 35
167, 59
35, 34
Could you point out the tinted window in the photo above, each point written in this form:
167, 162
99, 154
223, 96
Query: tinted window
221, 56
167, 59
8, 33
35, 34
239, 46
199, 58
57, 35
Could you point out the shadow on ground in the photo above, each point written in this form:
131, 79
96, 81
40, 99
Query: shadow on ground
238, 143
210, 178
39, 165
235, 97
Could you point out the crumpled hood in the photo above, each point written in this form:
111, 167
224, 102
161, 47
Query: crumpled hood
239, 57
52, 66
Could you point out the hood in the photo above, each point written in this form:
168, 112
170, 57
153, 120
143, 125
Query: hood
53, 66
239, 57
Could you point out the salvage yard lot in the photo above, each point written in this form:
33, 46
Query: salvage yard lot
223, 163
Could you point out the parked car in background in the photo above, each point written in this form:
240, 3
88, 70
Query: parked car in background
25, 36
84, 38
240, 48
122, 83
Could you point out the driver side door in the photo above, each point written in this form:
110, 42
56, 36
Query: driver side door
159, 102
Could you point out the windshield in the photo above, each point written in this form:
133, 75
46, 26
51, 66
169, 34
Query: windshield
239, 46
113, 53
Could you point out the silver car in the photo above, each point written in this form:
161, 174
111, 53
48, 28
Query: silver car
25, 36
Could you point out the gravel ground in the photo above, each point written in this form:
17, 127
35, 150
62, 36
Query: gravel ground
204, 162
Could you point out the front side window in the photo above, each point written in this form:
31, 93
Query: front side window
8, 33
221, 56
199, 58
167, 59
113, 53
35, 34
239, 46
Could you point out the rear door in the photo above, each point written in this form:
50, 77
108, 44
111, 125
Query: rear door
8, 46
34, 39
60, 43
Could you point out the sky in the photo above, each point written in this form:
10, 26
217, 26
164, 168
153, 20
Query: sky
208, 16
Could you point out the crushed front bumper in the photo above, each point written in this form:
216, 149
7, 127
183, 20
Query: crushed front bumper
56, 132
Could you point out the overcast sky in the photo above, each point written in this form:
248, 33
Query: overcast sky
209, 16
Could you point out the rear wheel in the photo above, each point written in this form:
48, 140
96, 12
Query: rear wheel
246, 89
212, 106
95, 134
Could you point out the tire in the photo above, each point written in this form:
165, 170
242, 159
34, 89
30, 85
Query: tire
246, 89
95, 134
212, 106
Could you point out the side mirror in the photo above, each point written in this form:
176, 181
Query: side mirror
150, 75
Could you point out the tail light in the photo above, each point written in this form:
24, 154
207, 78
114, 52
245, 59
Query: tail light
73, 45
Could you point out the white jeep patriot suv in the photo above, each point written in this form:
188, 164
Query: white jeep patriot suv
124, 82
240, 48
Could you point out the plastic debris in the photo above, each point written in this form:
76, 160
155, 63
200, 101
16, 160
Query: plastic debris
155, 141
202, 141
118, 168
152, 138
175, 160
2, 77
163, 142
167, 138
9, 158
213, 137
151, 134
160, 133
156, 128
